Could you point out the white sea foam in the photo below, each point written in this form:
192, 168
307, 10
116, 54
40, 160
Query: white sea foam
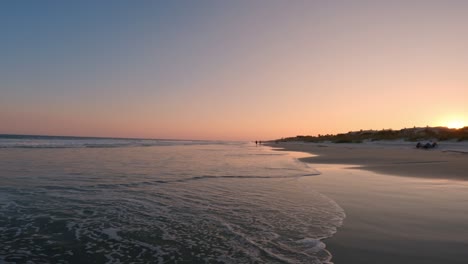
112, 233
187, 203
313, 244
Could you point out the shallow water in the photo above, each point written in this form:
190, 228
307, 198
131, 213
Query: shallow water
176, 201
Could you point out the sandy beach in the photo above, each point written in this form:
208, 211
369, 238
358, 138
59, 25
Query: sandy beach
402, 205
447, 161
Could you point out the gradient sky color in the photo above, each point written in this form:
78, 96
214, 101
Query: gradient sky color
235, 70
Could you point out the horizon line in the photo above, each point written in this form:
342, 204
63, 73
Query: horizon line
103, 137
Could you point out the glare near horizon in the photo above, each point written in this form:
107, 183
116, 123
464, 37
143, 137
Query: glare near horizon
238, 70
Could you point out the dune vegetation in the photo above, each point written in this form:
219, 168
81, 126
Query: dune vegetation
407, 134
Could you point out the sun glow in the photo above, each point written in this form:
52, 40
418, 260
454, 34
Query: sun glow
455, 124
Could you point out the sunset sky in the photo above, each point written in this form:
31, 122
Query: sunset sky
234, 70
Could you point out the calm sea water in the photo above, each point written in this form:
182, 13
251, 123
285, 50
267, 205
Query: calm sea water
79, 200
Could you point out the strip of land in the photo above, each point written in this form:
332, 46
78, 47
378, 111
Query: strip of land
447, 161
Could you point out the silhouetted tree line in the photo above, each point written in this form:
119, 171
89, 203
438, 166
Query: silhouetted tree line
408, 134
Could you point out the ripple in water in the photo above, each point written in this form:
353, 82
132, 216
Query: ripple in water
172, 204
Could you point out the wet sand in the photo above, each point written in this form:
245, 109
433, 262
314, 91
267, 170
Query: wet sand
419, 218
448, 161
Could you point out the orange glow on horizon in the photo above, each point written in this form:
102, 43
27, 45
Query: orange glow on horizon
455, 124
206, 73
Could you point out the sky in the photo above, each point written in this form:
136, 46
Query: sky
231, 70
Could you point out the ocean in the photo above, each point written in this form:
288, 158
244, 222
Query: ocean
98, 200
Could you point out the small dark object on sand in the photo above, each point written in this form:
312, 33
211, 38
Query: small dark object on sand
428, 145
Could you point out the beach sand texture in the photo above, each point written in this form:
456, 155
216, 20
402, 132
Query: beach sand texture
448, 161
420, 218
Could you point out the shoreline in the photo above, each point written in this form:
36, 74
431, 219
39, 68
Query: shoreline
449, 161
402, 204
